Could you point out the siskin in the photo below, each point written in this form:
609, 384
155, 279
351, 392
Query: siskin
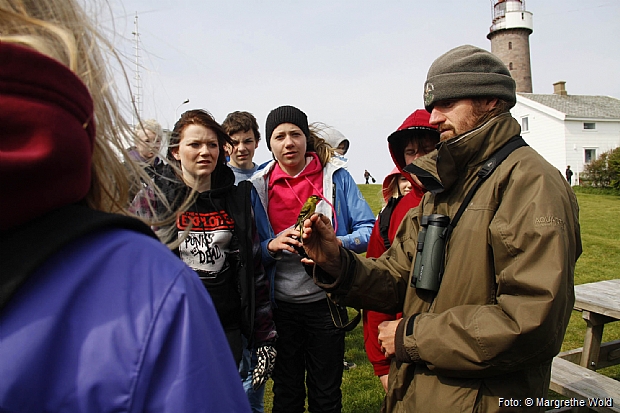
306, 212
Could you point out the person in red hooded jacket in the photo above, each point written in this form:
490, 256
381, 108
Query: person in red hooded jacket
414, 138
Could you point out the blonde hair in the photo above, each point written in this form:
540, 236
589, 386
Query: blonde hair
62, 30
152, 125
392, 190
318, 144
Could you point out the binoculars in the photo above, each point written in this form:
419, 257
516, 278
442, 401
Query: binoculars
429, 260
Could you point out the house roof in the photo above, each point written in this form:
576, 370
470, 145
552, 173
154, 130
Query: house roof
579, 106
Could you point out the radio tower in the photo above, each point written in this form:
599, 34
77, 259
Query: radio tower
136, 96
510, 40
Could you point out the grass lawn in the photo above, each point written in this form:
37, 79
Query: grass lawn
600, 234
599, 216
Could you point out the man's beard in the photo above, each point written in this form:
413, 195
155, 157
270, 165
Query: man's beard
476, 118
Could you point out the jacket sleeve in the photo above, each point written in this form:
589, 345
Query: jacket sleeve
264, 327
372, 319
533, 244
144, 203
187, 363
265, 233
375, 242
377, 284
353, 212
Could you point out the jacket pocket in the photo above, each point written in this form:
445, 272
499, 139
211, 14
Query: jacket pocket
428, 392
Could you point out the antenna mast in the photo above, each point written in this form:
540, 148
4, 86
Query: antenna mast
136, 96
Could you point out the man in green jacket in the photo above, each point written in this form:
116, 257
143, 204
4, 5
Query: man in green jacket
485, 339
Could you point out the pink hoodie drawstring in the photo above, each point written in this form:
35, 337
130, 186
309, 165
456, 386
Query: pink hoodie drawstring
318, 194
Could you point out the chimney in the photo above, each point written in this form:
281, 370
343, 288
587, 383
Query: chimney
559, 88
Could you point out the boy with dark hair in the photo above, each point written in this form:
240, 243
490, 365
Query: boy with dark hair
243, 131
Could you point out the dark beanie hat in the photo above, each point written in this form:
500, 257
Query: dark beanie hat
468, 72
285, 114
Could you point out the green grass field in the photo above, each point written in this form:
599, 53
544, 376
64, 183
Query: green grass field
600, 234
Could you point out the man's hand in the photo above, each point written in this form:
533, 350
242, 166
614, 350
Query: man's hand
387, 333
321, 244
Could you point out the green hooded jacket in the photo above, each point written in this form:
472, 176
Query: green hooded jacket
485, 341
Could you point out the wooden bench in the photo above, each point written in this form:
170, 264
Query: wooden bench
574, 381
608, 355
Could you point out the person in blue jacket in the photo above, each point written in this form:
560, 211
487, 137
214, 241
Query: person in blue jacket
96, 315
309, 341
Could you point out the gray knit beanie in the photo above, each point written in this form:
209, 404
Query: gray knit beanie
286, 114
468, 72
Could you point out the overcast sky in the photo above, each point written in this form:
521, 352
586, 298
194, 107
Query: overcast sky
358, 66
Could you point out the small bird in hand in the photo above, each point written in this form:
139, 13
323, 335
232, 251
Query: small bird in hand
306, 212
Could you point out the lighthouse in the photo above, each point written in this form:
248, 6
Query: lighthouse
509, 36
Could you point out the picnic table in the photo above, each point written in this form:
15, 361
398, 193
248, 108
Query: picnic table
573, 373
599, 303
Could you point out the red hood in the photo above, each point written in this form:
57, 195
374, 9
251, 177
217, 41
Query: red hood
47, 135
386, 183
415, 123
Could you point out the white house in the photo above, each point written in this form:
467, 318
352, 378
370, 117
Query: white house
568, 129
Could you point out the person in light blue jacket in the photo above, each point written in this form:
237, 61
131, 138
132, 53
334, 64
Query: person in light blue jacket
309, 341
96, 314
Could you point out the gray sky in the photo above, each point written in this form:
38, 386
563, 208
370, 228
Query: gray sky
358, 66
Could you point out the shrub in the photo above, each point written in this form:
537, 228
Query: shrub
603, 172
614, 167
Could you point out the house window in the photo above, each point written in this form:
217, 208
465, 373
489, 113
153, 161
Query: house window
589, 155
510, 66
525, 124
589, 125
509, 45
